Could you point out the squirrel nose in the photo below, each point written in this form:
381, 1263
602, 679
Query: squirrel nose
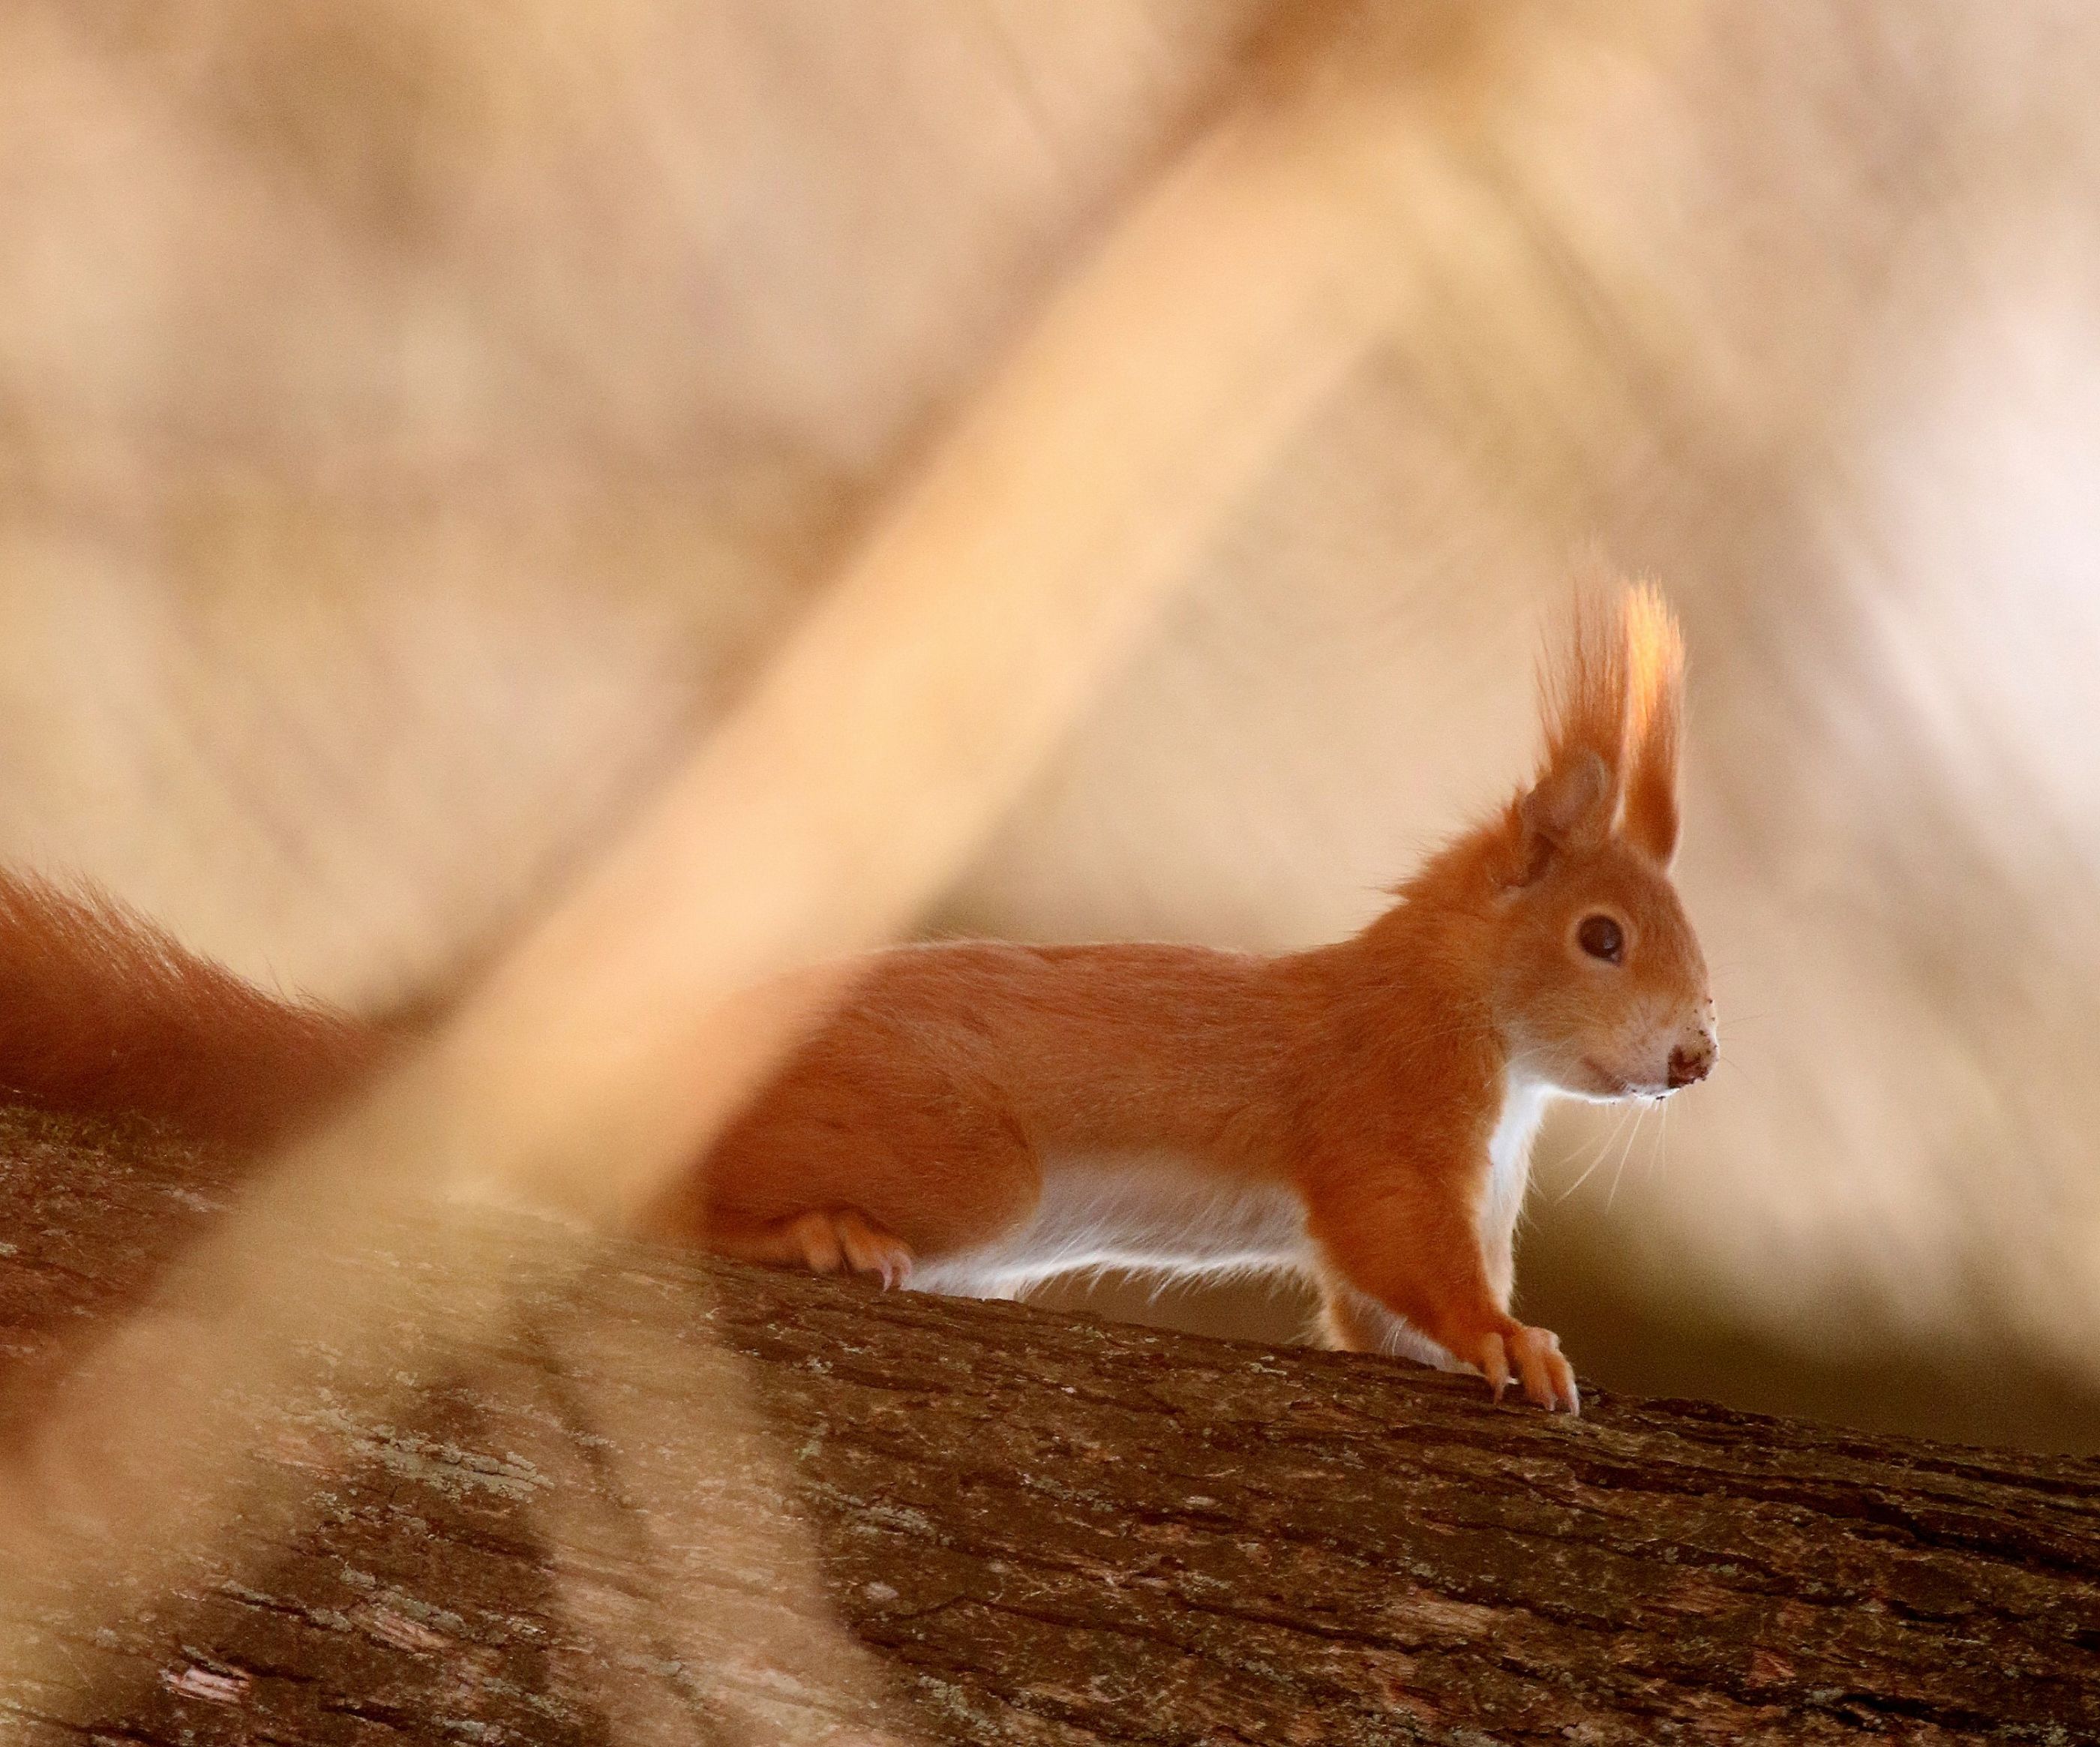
1687, 1067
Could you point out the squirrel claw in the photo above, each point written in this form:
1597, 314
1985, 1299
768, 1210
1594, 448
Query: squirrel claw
1534, 1357
839, 1239
1548, 1377
1494, 1365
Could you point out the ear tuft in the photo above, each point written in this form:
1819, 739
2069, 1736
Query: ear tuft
1613, 701
1655, 720
1582, 694
1582, 691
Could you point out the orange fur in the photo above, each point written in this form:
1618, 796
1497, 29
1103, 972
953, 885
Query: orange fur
1385, 1088
981, 1114
1655, 722
101, 1012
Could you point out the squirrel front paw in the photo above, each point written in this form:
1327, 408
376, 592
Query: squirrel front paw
1547, 1377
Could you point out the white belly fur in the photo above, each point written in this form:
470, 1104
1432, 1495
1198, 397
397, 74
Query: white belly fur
1146, 1212
1509, 1172
1157, 1214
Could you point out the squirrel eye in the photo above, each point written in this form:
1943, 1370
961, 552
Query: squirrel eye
1601, 939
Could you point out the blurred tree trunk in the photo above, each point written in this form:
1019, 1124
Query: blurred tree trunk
1048, 1529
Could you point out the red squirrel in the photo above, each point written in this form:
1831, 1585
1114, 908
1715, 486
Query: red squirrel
974, 1116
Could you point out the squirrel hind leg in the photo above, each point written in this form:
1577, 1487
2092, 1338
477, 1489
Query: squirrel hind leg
826, 1240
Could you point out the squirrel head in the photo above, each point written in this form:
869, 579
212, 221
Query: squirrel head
1599, 987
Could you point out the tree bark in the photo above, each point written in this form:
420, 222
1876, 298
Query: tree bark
1048, 1529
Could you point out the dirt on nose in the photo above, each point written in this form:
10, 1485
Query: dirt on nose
1689, 1066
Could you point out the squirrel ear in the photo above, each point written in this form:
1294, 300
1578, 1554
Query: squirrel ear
1655, 662
1569, 806
1651, 818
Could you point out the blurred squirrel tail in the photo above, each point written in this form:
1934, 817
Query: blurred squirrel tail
101, 1012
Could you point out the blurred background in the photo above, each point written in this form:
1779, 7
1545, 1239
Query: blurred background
416, 423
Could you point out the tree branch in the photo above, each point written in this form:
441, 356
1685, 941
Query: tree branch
1048, 1529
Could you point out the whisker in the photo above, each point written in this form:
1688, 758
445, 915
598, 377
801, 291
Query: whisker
1662, 1140
1595, 1151
1730, 1061
1640, 1116
1602, 1147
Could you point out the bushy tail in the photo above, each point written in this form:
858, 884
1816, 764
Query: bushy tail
103, 1013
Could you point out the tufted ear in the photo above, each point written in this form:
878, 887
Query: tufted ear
1655, 719
1570, 807
1582, 695
1613, 701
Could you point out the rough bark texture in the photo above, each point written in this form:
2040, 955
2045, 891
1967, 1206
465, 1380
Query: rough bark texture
1050, 1529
